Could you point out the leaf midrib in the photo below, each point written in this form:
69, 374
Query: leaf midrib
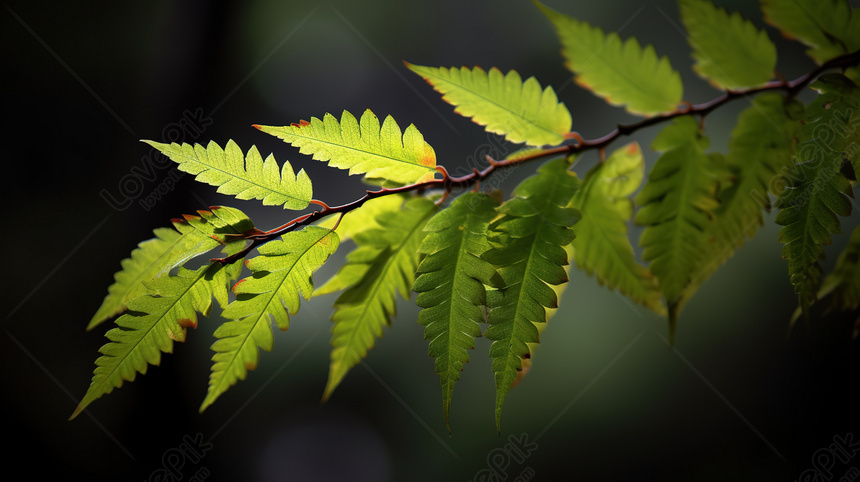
160, 319
554, 133
244, 170
353, 148
263, 313
377, 283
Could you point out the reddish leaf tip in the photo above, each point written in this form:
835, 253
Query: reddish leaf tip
238, 283
187, 323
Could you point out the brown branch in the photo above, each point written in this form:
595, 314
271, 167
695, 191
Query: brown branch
447, 183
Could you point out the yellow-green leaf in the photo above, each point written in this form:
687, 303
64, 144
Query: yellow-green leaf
363, 147
623, 73
502, 103
728, 49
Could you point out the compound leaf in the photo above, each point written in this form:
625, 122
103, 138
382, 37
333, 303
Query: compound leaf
621, 72
728, 49
192, 236
677, 205
602, 247
829, 27
816, 190
384, 263
450, 282
363, 147
282, 271
154, 321
503, 103
759, 151
528, 242
244, 176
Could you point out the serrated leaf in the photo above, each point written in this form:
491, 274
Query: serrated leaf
677, 205
728, 49
759, 152
623, 73
830, 27
280, 274
192, 236
816, 190
154, 321
244, 176
528, 241
384, 263
843, 283
502, 103
602, 247
364, 217
450, 285
363, 148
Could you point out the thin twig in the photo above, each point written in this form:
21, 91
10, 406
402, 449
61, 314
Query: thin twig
447, 183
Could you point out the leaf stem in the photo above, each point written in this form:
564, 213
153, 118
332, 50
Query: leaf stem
447, 183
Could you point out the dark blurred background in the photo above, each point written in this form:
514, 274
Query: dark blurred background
607, 399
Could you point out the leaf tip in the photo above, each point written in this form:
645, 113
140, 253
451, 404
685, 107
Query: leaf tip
187, 323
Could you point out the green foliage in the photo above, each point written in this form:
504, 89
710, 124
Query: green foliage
816, 190
450, 282
479, 263
246, 177
382, 153
361, 219
528, 241
281, 272
843, 284
829, 27
192, 236
677, 206
154, 321
621, 72
384, 263
504, 104
728, 50
602, 247
759, 152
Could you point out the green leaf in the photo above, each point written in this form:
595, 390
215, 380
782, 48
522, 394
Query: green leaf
244, 176
830, 27
759, 152
154, 321
677, 202
282, 271
602, 247
728, 50
844, 282
816, 189
384, 263
503, 103
363, 218
623, 73
450, 284
193, 236
528, 240
363, 147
